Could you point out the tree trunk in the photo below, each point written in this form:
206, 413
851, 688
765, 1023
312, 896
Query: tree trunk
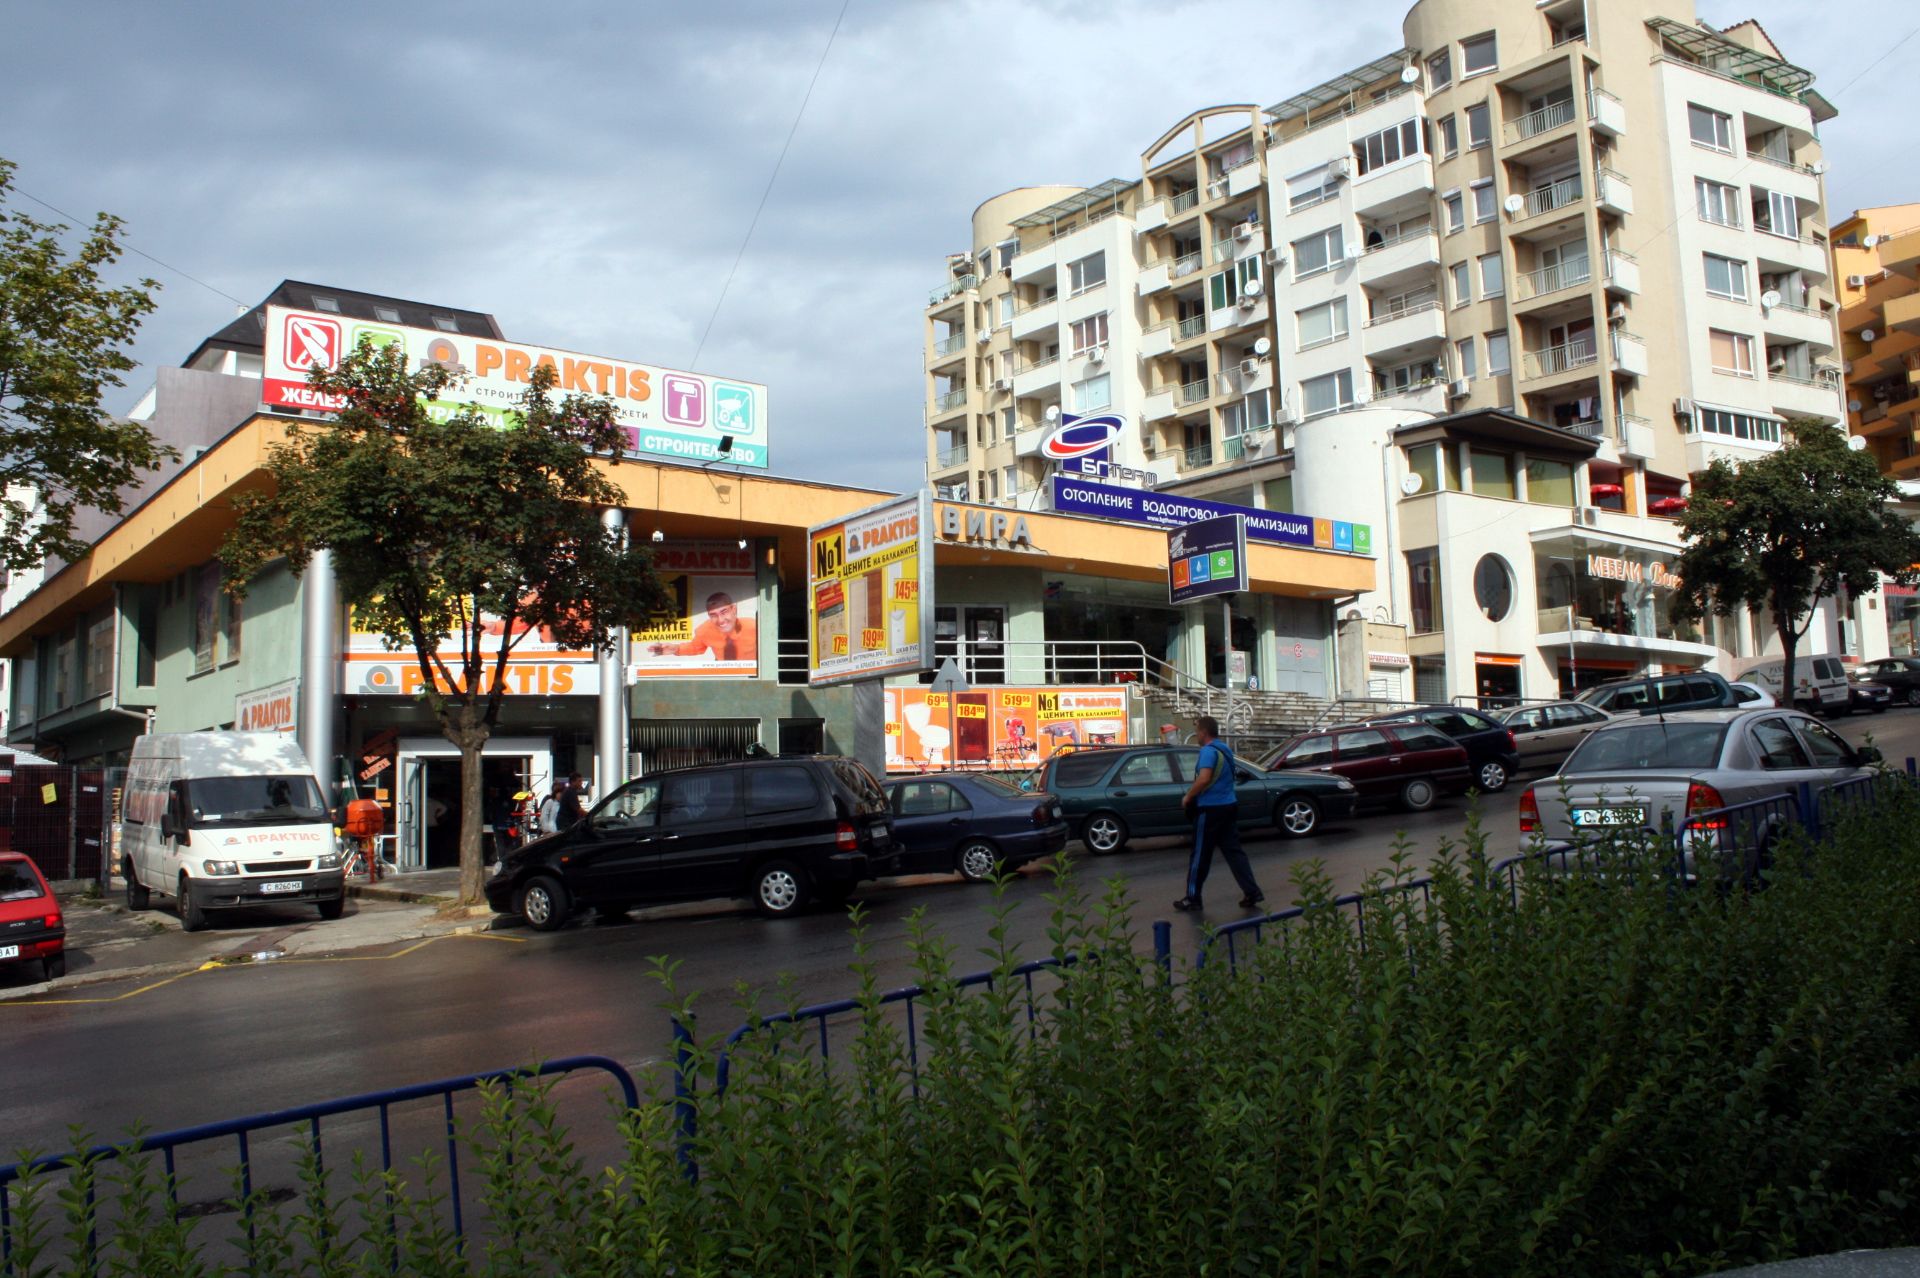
466, 727
1784, 625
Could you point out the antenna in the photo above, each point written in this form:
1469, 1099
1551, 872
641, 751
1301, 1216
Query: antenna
1053, 413
1770, 299
1409, 74
1515, 203
1262, 347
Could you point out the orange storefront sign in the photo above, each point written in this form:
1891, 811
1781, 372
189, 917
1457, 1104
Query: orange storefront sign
999, 728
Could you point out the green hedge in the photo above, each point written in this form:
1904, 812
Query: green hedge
1610, 1077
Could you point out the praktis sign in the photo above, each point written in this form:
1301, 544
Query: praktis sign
665, 414
1137, 506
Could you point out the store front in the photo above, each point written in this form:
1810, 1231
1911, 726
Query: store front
1605, 611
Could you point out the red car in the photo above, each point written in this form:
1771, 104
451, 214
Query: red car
1388, 761
31, 925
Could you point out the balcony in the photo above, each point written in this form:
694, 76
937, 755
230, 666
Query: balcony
1606, 113
1244, 240
1791, 323
1034, 375
1554, 115
1421, 325
947, 293
1903, 313
1034, 263
1159, 405
1037, 317
949, 402
1901, 254
1156, 341
1414, 255
1553, 279
1778, 252
1150, 217
1812, 395
1244, 177
1397, 186
1552, 361
1247, 310
1551, 203
1153, 278
949, 458
1179, 205
1189, 328
1185, 265
1629, 354
1027, 442
1613, 193
947, 349
1635, 435
1197, 458
1194, 392
1623, 272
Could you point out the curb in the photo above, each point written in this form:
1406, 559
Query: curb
407, 896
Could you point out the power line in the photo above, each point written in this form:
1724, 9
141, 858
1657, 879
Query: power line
694, 363
138, 253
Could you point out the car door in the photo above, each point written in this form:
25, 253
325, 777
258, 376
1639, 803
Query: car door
929, 818
1535, 738
1368, 759
1568, 724
608, 855
1783, 758
702, 840
1833, 759
1146, 791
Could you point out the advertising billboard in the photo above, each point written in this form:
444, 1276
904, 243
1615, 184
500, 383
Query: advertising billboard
710, 628
1136, 506
537, 666
870, 593
664, 414
1206, 558
1002, 729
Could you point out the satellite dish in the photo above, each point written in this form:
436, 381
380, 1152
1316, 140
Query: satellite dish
1869, 241
1770, 299
1409, 74
1867, 335
1352, 252
1251, 288
1411, 484
1515, 203
1053, 413
1262, 347
1854, 406
1856, 443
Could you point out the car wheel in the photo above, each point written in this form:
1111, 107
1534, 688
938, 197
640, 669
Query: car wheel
544, 903
779, 889
192, 917
1418, 794
1913, 695
1297, 816
332, 909
138, 898
1104, 833
1492, 776
977, 860
56, 966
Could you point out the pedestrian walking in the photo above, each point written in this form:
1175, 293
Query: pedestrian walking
1211, 805
573, 808
547, 819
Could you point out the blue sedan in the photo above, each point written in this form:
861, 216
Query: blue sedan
971, 823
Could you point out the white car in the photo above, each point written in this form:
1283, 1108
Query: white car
1752, 696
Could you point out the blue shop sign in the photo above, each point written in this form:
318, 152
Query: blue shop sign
1162, 510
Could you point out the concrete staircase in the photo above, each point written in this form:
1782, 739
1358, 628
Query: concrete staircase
1260, 719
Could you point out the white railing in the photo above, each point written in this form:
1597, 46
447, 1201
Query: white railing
948, 345
1178, 204
1185, 265
1551, 279
1560, 359
1400, 237
1390, 315
1039, 361
1196, 458
1624, 342
1224, 250
948, 458
1194, 392
952, 399
1191, 326
1556, 195
1551, 116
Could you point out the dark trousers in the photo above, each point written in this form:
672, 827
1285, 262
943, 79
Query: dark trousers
1218, 827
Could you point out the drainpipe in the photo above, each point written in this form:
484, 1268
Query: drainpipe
610, 736
319, 664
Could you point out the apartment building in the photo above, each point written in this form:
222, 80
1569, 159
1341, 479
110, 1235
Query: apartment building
1607, 220
1876, 266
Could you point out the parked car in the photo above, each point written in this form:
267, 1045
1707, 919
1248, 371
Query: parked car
1819, 685
1751, 696
1407, 762
1697, 690
1115, 794
1901, 674
1546, 734
31, 924
1873, 698
778, 831
1492, 752
975, 824
1645, 773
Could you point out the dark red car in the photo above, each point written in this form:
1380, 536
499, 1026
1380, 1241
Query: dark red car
1412, 764
31, 925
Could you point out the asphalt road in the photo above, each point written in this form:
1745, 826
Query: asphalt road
237, 1040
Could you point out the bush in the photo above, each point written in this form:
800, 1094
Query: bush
1594, 1074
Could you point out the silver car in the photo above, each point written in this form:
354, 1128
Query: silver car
1547, 734
1658, 771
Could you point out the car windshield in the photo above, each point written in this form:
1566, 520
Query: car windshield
1006, 786
254, 801
857, 779
1653, 744
18, 882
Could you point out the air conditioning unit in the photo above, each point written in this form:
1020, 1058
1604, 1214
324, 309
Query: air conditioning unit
961, 263
1459, 388
1775, 365
1856, 281
1276, 257
1098, 355
1003, 383
1244, 231
1618, 311
1683, 407
1588, 516
986, 335
1250, 367
1341, 166
1249, 300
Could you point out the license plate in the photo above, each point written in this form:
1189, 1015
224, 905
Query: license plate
9, 951
291, 885
1609, 816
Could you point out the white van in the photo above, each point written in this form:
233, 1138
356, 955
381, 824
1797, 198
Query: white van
1821, 685
217, 820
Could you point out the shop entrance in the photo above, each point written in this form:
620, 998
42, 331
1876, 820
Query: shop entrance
428, 811
1092, 624
1496, 680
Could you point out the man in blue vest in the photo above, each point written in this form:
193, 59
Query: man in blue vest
1210, 804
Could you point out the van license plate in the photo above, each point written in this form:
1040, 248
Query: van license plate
1609, 816
291, 885
9, 951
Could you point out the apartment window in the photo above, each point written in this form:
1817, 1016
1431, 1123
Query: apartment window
1308, 189
97, 671
1479, 126
1277, 494
1089, 272
1435, 465
1326, 394
1423, 577
1388, 146
1731, 352
1251, 413
1710, 129
1717, 202
1401, 303
146, 639
1010, 481
1463, 358
1498, 360
1483, 206
1726, 278
1549, 483
206, 616
1008, 250
1449, 136
1493, 280
1715, 421
1456, 211
1492, 473
1006, 310
1095, 392
1776, 211
1462, 283
1405, 377
1481, 53
1317, 253
1318, 325
993, 485
1232, 283
1439, 70
1089, 333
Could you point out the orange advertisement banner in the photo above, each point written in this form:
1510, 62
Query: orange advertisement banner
1002, 729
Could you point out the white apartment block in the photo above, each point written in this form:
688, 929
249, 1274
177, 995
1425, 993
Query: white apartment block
1499, 292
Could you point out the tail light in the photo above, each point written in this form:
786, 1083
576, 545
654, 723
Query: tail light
845, 837
1042, 813
52, 920
1513, 742
1529, 813
1704, 798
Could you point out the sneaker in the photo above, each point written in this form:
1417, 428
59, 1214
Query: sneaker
1251, 902
1187, 903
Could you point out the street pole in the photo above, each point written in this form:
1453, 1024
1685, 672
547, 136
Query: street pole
1573, 662
1226, 660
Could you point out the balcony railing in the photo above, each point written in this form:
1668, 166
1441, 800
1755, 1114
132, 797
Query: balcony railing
1591, 427
1185, 265
1621, 421
1794, 308
948, 458
1627, 346
1178, 204
1596, 96
1551, 279
1619, 255
1021, 308
1560, 359
1194, 392
1039, 361
1556, 195
1224, 250
1783, 162
952, 289
948, 345
952, 399
1195, 458
1391, 314
1821, 376
1400, 237
1190, 327
1551, 116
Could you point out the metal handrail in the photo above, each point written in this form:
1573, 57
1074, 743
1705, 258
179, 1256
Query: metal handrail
952, 399
1194, 392
1180, 203
1401, 237
948, 345
1534, 123
1190, 327
1555, 195
1416, 308
1551, 279
1559, 359
952, 288
1185, 265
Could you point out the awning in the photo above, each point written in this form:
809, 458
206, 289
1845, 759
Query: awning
1079, 202
1717, 53
1340, 86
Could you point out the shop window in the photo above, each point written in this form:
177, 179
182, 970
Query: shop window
206, 616
1277, 494
1493, 587
1423, 576
1549, 483
1436, 465
1492, 473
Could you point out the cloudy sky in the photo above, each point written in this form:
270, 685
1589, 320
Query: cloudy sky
587, 173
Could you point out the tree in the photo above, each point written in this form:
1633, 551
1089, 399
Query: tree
451, 534
61, 337
1791, 528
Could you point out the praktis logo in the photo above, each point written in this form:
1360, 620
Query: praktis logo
1082, 437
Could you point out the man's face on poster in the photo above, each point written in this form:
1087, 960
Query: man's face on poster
722, 612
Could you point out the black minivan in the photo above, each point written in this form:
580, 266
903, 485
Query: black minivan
780, 832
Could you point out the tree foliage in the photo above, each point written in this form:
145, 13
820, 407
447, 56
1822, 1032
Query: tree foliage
62, 334
1790, 528
453, 537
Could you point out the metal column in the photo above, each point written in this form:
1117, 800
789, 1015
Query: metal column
319, 665
610, 736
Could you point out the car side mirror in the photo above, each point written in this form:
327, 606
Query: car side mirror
1868, 754
168, 829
